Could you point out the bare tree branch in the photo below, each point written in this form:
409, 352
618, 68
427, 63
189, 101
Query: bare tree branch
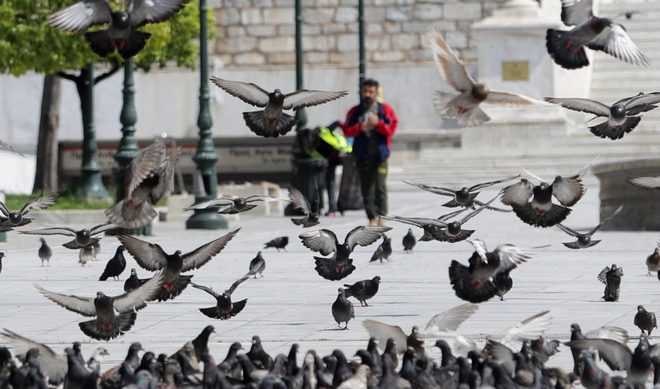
107, 74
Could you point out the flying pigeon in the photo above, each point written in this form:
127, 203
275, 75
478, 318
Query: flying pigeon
325, 242
45, 252
584, 240
278, 243
115, 265
152, 257
465, 106
567, 47
611, 277
311, 210
431, 227
224, 308
363, 290
122, 34
409, 241
257, 266
271, 121
644, 182
383, 251
645, 320
653, 260
615, 333
622, 116
342, 309
10, 219
108, 325
146, 183
474, 284
232, 205
540, 211
82, 238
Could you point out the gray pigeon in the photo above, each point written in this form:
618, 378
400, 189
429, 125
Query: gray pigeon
82, 238
584, 240
342, 309
409, 241
257, 266
85, 255
645, 320
383, 251
45, 252
9, 219
232, 205
271, 121
2, 255
653, 260
97, 250
611, 277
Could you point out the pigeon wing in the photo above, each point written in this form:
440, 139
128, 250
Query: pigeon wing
614, 40
382, 332
219, 202
299, 200
141, 166
530, 328
51, 364
195, 259
602, 276
480, 249
451, 319
575, 12
417, 221
507, 98
205, 289
248, 92
616, 212
309, 98
165, 173
517, 195
149, 256
450, 67
51, 231
102, 228
568, 230
511, 256
82, 305
478, 210
322, 241
582, 105
644, 182
491, 183
153, 11
614, 333
616, 355
81, 16
254, 198
237, 283
138, 298
364, 236
433, 189
641, 102
40, 203
568, 190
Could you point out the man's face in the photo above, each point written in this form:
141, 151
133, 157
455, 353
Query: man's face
369, 93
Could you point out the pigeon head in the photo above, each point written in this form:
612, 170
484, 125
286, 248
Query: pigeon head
454, 228
133, 272
43, 241
32, 354
600, 24
100, 295
415, 330
121, 249
256, 339
240, 202
376, 279
618, 111
640, 308
584, 239
480, 92
177, 253
121, 19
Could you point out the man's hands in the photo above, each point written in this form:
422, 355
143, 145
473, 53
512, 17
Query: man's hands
370, 123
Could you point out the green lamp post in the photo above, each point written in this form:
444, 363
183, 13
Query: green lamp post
301, 114
205, 157
363, 62
92, 183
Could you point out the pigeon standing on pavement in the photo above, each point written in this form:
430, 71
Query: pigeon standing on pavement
45, 252
465, 106
653, 260
122, 34
622, 116
133, 282
363, 290
115, 265
342, 309
258, 355
611, 277
384, 251
86, 254
9, 219
271, 121
147, 182
311, 210
567, 47
2, 255
503, 282
409, 241
97, 250
224, 308
257, 266
645, 320
584, 240
278, 243
82, 238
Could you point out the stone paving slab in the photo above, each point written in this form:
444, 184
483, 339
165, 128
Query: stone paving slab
292, 303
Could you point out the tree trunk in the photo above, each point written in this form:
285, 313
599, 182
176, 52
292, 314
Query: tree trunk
46, 175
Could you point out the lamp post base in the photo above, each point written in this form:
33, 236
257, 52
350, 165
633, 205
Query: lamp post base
92, 186
207, 219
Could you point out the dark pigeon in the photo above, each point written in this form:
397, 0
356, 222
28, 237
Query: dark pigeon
152, 257
340, 265
9, 219
615, 333
201, 342
342, 309
653, 260
108, 325
224, 308
311, 210
567, 47
45, 252
384, 251
584, 240
115, 265
231, 359
122, 34
2, 255
232, 205
51, 364
611, 277
82, 238
645, 320
271, 121
363, 290
432, 227
622, 116
133, 282
257, 266
146, 183
409, 241
258, 356
278, 243
503, 282
453, 232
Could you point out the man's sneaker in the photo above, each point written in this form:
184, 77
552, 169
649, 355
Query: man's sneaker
372, 223
382, 222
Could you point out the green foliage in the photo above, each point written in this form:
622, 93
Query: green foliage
28, 43
67, 201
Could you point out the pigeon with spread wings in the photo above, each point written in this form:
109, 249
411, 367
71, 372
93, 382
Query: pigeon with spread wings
122, 34
311, 210
584, 240
146, 183
232, 206
271, 121
152, 257
82, 238
224, 308
465, 106
108, 324
622, 116
611, 277
540, 211
325, 242
567, 47
431, 227
9, 219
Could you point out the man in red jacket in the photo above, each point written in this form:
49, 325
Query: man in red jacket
372, 124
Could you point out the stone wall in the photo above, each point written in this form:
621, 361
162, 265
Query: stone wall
262, 32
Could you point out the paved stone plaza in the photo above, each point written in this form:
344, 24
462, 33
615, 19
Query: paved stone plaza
292, 303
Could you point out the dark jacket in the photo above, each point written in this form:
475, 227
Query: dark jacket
384, 130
